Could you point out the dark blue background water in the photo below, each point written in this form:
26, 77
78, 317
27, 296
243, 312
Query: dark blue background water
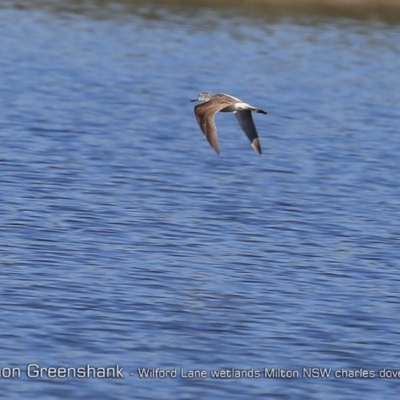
126, 240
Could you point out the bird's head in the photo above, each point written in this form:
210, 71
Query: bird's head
203, 96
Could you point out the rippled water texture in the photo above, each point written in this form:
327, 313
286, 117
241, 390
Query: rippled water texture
126, 240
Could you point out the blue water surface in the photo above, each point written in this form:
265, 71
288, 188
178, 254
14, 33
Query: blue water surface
126, 242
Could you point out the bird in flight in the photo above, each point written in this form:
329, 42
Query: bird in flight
206, 111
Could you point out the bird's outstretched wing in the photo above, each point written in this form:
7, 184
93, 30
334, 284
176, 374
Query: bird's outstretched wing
205, 114
245, 120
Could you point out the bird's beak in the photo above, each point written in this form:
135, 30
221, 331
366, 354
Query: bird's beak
194, 100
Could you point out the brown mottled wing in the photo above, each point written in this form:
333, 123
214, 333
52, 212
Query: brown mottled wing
205, 114
246, 122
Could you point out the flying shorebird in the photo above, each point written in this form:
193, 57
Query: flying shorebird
206, 111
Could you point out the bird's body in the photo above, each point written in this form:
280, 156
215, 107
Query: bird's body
222, 102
